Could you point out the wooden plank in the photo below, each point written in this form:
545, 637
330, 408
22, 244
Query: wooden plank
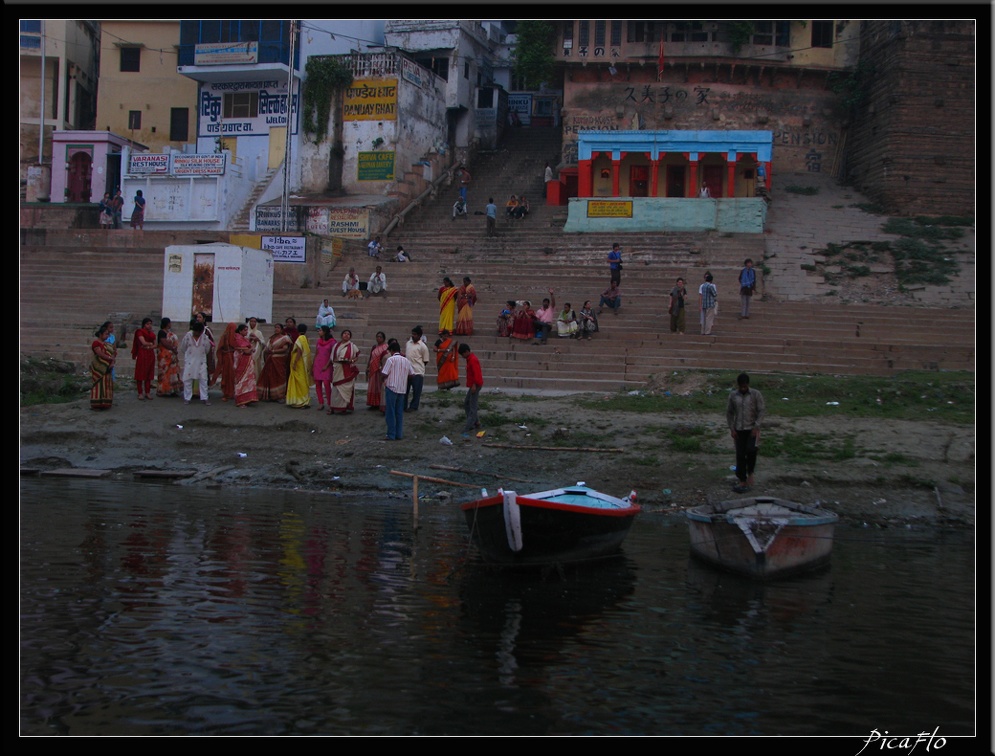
167, 474
77, 472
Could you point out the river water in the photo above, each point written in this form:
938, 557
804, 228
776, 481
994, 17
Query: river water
166, 610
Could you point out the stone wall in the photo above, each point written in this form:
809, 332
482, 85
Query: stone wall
912, 140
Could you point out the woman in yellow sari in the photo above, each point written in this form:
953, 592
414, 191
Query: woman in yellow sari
447, 306
102, 388
466, 298
300, 381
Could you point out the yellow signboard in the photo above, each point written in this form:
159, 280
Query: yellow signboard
609, 209
371, 100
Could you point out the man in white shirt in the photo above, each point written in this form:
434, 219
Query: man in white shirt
416, 350
395, 371
350, 282
377, 285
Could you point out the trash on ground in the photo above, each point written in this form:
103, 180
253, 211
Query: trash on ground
445, 441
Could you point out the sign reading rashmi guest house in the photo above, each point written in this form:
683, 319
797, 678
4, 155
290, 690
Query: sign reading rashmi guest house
375, 166
371, 100
609, 209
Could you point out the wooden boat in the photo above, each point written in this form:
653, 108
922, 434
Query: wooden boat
550, 527
762, 536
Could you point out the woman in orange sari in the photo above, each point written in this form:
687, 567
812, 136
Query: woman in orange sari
143, 353
447, 306
272, 386
168, 361
102, 390
243, 368
225, 367
374, 379
466, 298
447, 361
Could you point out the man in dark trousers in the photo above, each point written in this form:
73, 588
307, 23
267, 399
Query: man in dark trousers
744, 413
474, 382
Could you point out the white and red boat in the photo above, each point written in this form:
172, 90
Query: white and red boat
571, 524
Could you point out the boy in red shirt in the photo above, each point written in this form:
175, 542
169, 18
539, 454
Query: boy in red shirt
474, 382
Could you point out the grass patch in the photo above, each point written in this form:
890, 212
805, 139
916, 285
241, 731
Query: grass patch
944, 220
806, 190
869, 207
916, 230
838, 207
911, 395
917, 262
807, 447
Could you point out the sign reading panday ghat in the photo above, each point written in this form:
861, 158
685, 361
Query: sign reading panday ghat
371, 100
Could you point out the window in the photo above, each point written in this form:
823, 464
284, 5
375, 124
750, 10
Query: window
690, 31
616, 33
30, 34
822, 34
179, 124
599, 33
568, 36
767, 33
241, 105
584, 33
485, 97
641, 31
466, 69
134, 119
131, 59
31, 26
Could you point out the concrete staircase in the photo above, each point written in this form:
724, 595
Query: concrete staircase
240, 223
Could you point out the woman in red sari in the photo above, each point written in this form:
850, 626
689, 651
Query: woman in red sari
143, 349
523, 327
447, 361
168, 361
374, 379
243, 368
466, 298
272, 386
225, 367
102, 390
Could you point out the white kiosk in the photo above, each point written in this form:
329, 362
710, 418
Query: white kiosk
228, 282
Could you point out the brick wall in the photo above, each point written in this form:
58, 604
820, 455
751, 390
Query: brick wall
912, 141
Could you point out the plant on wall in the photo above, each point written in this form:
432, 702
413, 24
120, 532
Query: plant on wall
534, 52
852, 87
740, 33
325, 76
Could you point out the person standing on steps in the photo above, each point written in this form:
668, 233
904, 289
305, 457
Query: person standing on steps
747, 285
744, 413
463, 177
491, 211
615, 263
547, 175
708, 302
474, 382
677, 309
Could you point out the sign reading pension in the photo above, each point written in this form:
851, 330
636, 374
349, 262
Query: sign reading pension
371, 100
375, 166
285, 248
609, 209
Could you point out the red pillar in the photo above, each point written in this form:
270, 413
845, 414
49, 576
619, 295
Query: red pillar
585, 185
694, 177
655, 176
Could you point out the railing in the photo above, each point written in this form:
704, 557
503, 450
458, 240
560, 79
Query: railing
397, 219
372, 64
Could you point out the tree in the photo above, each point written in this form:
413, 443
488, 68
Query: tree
534, 52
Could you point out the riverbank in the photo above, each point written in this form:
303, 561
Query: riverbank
668, 441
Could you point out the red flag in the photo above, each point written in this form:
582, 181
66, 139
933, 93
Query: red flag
659, 62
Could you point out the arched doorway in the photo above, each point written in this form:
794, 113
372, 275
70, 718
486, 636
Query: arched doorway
78, 184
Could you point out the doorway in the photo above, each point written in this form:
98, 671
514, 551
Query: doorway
639, 181
78, 180
711, 176
675, 180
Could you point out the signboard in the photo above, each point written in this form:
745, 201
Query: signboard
375, 166
371, 100
290, 249
348, 222
253, 107
609, 209
521, 104
224, 53
148, 163
209, 164
268, 219
411, 71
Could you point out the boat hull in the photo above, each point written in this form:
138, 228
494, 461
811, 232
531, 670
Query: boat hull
551, 532
762, 537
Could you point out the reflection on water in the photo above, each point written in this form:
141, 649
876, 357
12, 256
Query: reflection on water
164, 610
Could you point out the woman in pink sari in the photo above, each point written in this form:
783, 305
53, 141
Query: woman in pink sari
244, 370
322, 368
374, 379
168, 361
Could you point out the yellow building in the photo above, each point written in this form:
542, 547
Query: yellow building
141, 96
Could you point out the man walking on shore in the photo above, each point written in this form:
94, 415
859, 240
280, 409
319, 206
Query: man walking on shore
744, 413
474, 382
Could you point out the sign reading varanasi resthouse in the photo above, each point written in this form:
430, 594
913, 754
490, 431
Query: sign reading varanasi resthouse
371, 100
375, 166
609, 209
